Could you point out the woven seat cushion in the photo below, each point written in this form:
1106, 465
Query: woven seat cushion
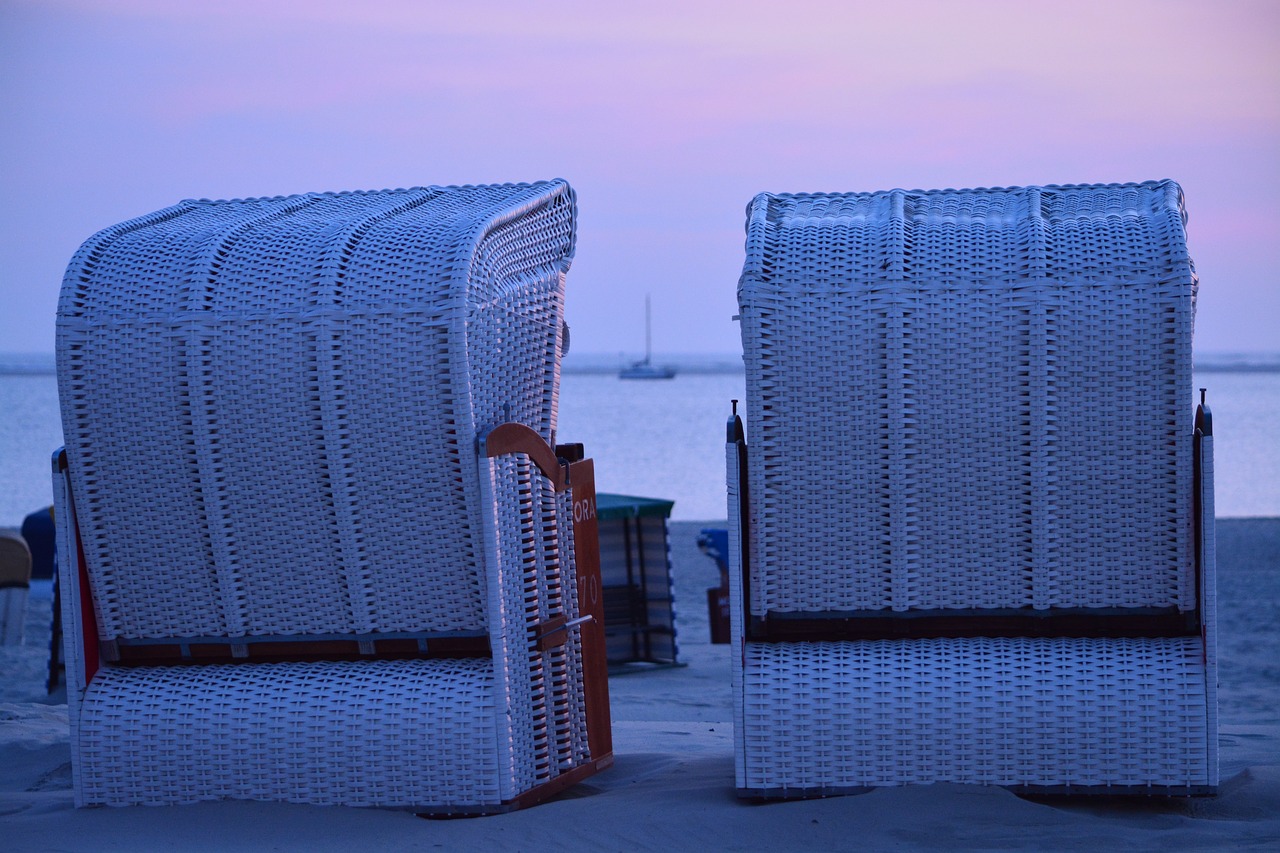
1006, 711
364, 733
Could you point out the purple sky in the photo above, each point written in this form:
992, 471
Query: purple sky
666, 116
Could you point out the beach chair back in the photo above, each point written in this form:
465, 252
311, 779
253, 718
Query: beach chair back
310, 459
970, 399
971, 513
270, 405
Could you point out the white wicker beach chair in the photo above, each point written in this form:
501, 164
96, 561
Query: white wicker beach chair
315, 543
973, 529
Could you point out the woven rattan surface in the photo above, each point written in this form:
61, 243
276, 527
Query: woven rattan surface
378, 733
436, 734
964, 401
269, 405
968, 399
542, 690
999, 711
272, 410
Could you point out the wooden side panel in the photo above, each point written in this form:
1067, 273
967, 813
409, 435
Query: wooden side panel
586, 546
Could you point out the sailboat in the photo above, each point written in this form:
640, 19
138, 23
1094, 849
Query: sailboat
643, 369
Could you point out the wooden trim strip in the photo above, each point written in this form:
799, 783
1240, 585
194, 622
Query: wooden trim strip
1013, 622
763, 795
257, 650
562, 782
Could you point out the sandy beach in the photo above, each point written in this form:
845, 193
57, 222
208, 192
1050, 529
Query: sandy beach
671, 788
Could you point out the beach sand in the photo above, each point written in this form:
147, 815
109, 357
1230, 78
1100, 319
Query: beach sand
671, 788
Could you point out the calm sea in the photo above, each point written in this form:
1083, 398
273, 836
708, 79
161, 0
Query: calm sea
665, 438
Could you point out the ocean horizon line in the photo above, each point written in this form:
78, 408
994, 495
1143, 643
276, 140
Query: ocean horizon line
598, 363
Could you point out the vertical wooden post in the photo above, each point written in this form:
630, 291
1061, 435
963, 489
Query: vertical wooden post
586, 548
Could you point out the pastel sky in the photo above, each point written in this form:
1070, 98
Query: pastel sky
666, 116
